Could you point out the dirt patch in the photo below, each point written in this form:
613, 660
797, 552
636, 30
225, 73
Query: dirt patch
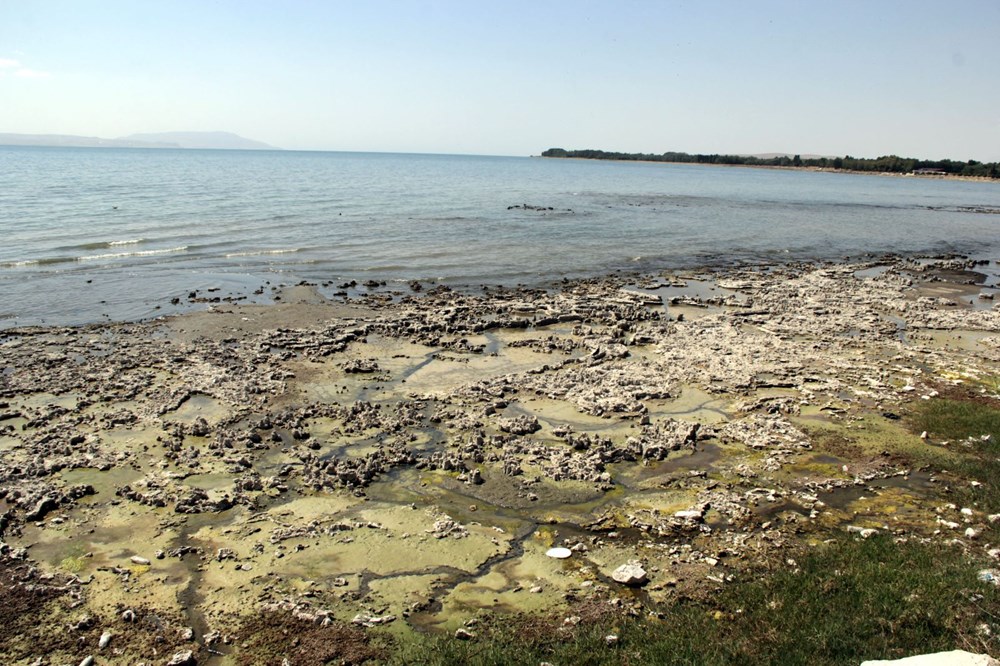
275, 637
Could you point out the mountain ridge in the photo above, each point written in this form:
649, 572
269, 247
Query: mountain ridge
187, 140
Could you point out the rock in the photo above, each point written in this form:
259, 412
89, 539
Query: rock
689, 515
611, 640
630, 574
464, 634
372, 620
989, 576
43, 506
136, 559
952, 658
559, 553
105, 640
88, 660
184, 658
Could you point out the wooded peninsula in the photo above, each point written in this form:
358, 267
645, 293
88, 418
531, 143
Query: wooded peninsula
884, 164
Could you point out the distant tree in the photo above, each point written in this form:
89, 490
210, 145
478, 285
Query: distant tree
883, 164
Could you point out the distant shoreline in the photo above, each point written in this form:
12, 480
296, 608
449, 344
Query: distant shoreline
774, 167
890, 164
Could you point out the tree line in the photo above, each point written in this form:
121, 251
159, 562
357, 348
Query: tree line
884, 164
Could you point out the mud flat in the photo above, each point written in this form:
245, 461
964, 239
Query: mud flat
404, 462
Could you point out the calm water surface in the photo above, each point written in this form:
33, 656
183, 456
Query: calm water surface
93, 234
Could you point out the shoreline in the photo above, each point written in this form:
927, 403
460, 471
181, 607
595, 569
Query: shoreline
403, 463
264, 291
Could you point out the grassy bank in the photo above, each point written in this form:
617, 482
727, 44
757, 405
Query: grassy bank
841, 603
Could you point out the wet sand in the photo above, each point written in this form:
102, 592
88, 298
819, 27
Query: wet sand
404, 462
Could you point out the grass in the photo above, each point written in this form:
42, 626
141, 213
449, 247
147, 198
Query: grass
970, 423
845, 602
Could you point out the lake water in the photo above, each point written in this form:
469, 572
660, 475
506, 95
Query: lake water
96, 234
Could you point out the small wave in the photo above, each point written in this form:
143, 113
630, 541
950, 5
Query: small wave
47, 261
122, 255
104, 245
258, 253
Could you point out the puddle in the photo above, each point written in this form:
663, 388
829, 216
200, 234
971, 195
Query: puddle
678, 465
42, 400
199, 405
872, 272
214, 481
957, 339
104, 483
693, 404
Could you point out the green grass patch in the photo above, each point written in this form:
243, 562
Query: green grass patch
844, 602
971, 426
951, 419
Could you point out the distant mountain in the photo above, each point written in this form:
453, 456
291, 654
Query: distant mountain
223, 140
69, 140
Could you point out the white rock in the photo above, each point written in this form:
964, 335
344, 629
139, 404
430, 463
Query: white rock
185, 658
105, 640
136, 559
688, 515
989, 576
559, 553
629, 574
953, 658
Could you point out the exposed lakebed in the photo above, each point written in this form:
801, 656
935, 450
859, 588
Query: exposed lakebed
407, 462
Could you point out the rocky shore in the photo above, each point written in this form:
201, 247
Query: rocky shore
408, 461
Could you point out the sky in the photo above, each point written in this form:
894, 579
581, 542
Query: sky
865, 78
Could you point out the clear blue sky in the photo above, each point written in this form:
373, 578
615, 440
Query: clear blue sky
916, 78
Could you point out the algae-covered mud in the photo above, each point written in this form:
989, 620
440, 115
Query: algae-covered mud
409, 461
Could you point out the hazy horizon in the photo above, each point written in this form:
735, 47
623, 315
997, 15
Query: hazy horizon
906, 78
